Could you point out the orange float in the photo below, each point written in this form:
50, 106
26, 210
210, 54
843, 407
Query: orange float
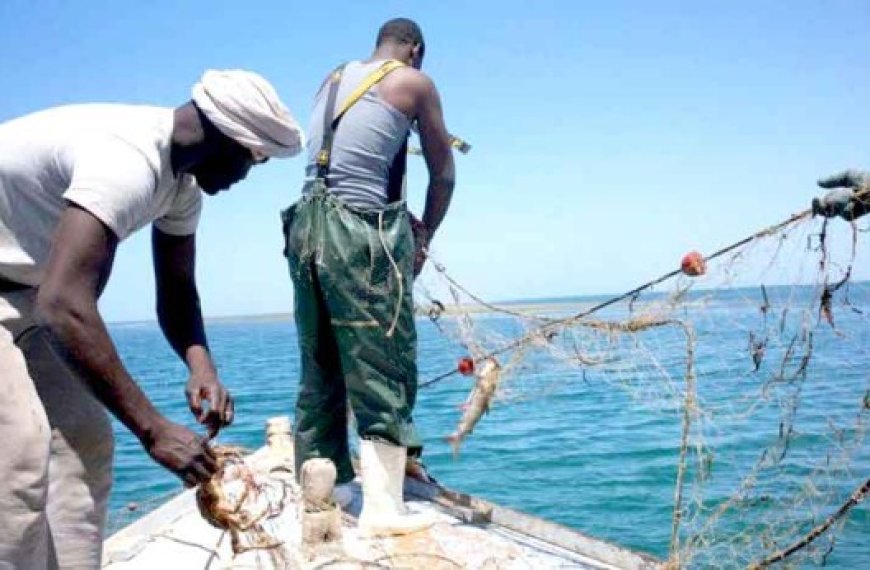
693, 264
465, 366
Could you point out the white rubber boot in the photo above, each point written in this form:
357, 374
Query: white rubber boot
383, 475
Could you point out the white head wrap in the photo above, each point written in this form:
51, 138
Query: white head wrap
246, 108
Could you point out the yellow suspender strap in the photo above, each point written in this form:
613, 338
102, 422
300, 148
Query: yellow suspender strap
373, 78
322, 159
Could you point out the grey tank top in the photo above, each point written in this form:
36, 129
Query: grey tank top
367, 139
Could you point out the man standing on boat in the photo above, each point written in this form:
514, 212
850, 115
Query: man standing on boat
74, 182
353, 251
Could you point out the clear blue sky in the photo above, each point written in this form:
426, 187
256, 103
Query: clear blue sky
608, 137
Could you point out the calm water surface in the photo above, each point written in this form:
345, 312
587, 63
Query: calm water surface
576, 449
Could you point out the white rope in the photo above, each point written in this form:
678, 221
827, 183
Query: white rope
392, 328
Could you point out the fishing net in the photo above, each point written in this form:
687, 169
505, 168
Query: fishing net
758, 353
243, 501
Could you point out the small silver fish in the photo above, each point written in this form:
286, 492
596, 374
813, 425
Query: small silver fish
478, 402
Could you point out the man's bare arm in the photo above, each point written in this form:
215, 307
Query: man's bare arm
435, 142
178, 310
180, 318
79, 265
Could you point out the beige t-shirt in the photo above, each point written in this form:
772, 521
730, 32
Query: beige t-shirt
111, 160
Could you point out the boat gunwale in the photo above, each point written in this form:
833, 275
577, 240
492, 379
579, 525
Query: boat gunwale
128, 541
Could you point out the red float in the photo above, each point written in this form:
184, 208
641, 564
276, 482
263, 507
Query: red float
693, 264
465, 366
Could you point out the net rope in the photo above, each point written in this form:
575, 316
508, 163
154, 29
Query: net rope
773, 338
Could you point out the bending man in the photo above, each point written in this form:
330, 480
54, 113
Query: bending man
74, 182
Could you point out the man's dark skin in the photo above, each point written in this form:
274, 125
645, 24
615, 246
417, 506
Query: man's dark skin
413, 93
79, 265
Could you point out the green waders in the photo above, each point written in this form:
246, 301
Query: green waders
352, 272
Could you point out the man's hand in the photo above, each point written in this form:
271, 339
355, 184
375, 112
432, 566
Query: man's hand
422, 236
854, 179
182, 452
841, 200
205, 387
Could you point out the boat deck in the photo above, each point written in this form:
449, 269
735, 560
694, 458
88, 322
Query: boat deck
471, 533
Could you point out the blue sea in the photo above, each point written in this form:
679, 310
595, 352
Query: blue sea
594, 450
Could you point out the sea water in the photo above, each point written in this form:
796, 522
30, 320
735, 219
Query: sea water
580, 452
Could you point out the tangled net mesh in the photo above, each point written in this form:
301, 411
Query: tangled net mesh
762, 362
244, 502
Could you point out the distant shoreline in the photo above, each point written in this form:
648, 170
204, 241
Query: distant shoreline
530, 309
527, 307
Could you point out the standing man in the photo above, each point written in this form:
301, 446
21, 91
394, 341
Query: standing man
74, 182
353, 256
